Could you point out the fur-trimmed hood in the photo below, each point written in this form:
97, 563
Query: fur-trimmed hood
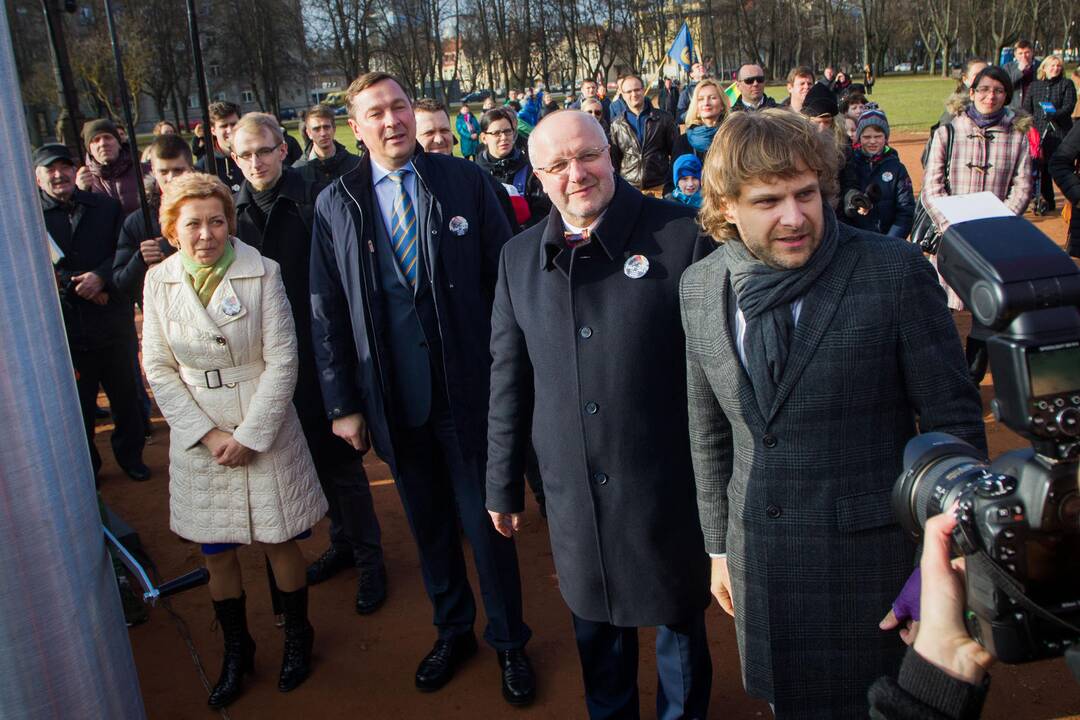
958, 103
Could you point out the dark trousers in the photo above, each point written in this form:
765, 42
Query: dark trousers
1050, 144
353, 523
113, 368
140, 389
432, 478
609, 664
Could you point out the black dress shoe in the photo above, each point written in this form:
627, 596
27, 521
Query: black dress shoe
442, 662
518, 679
370, 590
138, 472
329, 564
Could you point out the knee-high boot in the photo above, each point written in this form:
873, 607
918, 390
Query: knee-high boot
239, 650
299, 637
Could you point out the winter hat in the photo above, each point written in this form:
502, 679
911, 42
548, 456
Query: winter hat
820, 101
684, 165
93, 128
872, 118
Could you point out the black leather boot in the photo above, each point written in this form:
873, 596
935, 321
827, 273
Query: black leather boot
299, 637
239, 651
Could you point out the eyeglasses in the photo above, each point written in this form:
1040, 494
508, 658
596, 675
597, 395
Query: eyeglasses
560, 167
500, 133
989, 90
262, 153
597, 113
755, 80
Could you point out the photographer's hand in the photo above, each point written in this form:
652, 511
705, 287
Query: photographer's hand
943, 639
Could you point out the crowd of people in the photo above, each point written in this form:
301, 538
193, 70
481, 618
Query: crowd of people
695, 328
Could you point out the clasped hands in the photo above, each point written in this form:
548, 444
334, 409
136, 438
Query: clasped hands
226, 449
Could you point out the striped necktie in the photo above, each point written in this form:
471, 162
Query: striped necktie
403, 228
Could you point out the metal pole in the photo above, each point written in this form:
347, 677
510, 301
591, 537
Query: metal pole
125, 103
200, 80
65, 646
65, 85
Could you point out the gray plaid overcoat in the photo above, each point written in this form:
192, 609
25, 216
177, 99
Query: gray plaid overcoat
799, 500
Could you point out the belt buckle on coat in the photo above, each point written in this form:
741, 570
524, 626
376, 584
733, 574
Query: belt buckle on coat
209, 383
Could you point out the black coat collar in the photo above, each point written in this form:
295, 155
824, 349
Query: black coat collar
292, 188
611, 234
79, 197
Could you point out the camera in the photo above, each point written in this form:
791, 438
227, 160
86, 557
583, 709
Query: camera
1019, 515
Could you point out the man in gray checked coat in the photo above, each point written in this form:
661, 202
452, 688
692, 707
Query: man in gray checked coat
814, 352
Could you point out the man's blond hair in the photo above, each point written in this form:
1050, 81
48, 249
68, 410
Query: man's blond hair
256, 122
762, 146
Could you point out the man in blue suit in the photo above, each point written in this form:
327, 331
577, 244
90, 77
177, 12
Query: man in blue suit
404, 263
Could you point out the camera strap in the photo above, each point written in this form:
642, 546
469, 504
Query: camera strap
1012, 587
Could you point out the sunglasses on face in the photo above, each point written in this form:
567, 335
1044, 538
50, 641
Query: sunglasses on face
755, 80
597, 113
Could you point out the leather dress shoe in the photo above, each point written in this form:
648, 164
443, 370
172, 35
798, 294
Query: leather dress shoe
370, 590
138, 472
329, 564
442, 662
518, 679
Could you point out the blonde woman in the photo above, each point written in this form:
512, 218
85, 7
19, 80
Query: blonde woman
219, 350
709, 106
1050, 100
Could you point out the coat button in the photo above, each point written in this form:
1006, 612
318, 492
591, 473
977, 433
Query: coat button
585, 332
592, 408
769, 440
220, 340
773, 511
600, 478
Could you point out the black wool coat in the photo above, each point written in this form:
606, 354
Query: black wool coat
594, 361
286, 239
87, 238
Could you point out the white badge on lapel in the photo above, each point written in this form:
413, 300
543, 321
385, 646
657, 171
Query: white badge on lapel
636, 266
887, 176
230, 305
459, 225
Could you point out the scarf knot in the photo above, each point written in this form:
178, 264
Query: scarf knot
204, 279
765, 295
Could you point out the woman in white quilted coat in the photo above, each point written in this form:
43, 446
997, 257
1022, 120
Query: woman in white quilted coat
219, 350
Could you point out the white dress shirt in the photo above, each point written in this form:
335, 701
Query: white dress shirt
386, 190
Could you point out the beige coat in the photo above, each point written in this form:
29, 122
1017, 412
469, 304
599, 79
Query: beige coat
277, 495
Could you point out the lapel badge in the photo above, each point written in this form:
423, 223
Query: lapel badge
230, 305
636, 266
459, 225
887, 176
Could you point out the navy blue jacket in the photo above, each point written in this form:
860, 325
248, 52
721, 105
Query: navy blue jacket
886, 181
467, 231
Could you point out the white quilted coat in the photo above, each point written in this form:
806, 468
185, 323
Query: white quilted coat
277, 495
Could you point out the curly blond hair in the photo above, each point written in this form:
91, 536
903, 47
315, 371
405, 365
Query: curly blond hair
757, 146
193, 186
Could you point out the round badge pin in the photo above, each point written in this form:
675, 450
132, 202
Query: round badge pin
887, 176
459, 225
636, 266
230, 306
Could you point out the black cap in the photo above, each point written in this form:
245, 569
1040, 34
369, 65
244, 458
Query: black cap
820, 101
51, 152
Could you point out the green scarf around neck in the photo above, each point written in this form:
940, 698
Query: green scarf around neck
204, 279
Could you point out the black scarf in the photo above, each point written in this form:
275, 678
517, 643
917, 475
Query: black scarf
262, 202
765, 294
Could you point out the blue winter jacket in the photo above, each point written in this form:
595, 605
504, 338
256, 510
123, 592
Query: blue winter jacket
885, 180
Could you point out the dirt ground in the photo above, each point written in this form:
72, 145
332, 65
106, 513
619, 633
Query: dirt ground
364, 665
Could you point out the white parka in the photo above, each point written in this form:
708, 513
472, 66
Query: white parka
246, 330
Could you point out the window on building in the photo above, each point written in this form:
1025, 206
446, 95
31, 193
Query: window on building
247, 96
213, 71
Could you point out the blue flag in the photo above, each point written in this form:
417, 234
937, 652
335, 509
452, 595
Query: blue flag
682, 49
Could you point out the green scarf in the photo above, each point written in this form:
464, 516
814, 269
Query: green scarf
204, 279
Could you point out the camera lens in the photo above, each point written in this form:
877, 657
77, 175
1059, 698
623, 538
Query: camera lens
938, 468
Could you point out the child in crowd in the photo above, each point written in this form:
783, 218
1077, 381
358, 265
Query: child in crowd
687, 175
878, 194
